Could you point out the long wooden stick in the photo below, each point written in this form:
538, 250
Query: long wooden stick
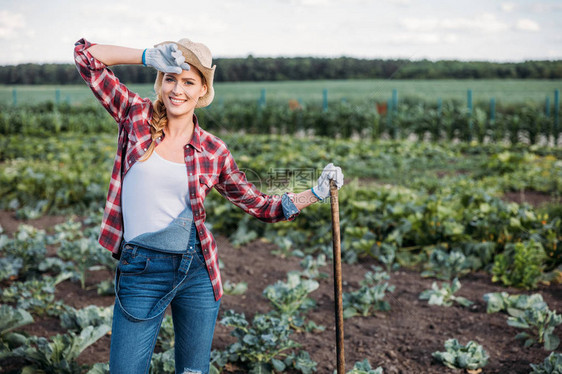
337, 275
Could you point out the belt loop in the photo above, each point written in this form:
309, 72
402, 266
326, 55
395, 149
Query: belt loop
133, 253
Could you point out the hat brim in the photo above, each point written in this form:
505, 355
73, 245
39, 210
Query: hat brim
208, 72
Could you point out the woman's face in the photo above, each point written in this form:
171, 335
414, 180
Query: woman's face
180, 92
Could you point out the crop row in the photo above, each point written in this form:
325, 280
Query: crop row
526, 123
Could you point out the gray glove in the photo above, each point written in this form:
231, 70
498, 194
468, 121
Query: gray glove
165, 58
322, 189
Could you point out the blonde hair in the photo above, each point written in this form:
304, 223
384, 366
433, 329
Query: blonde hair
157, 124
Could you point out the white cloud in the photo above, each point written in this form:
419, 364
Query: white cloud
312, 2
425, 38
485, 22
554, 54
527, 25
10, 24
545, 8
507, 7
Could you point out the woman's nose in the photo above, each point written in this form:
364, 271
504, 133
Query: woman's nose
177, 88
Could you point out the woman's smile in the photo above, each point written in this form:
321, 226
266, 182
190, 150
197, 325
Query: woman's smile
177, 101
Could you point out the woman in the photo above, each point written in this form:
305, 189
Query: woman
154, 214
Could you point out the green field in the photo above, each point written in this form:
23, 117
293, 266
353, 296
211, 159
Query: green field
504, 91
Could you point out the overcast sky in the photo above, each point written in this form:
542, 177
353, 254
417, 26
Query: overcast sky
45, 31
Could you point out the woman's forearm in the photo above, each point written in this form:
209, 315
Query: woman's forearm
115, 55
304, 199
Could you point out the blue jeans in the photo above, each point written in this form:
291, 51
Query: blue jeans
146, 282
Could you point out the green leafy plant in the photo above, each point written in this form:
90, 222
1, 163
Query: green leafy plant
540, 323
67, 231
87, 254
520, 265
219, 359
263, 345
370, 297
231, 288
364, 367
11, 319
244, 233
290, 299
36, 296
551, 365
59, 355
99, 368
456, 356
25, 255
444, 265
445, 295
163, 362
10, 267
106, 287
311, 267
300, 362
92, 315
514, 305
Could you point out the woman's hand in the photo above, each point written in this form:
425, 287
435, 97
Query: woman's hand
322, 189
165, 58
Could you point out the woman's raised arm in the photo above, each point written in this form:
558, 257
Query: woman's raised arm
165, 57
115, 55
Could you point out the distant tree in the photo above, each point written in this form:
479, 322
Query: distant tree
303, 68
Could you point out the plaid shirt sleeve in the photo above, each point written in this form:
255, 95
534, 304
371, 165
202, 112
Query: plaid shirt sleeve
235, 187
115, 97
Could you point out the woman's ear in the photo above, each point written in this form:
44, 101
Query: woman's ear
203, 90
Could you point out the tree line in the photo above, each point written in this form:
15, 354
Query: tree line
304, 68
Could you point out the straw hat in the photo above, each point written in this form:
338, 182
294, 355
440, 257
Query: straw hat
198, 55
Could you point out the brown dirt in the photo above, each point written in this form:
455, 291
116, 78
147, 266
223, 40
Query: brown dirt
533, 198
10, 223
401, 340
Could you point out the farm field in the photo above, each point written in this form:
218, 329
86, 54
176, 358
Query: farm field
400, 340
358, 91
421, 212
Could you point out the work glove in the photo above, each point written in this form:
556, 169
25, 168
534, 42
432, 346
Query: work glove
165, 58
322, 189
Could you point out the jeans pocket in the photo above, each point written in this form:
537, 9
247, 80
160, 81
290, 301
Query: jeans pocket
198, 256
132, 265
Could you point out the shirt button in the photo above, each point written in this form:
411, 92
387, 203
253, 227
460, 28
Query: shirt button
145, 149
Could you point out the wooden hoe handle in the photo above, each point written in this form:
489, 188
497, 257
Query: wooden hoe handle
337, 275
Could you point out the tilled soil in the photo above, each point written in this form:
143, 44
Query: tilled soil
400, 340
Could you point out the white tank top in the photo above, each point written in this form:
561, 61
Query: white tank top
154, 192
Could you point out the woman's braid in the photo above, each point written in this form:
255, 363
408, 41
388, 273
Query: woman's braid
158, 123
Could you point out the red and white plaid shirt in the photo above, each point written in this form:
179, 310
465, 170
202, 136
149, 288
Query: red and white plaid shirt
207, 158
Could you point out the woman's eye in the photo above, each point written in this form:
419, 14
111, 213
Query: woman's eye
169, 79
188, 83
